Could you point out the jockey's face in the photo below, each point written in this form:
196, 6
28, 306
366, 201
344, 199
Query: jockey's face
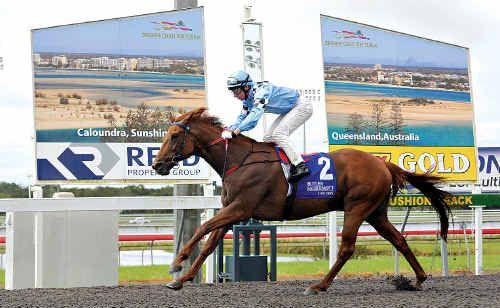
241, 93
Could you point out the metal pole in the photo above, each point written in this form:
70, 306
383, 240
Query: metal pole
152, 243
444, 257
256, 243
396, 253
396, 260
246, 242
220, 261
332, 237
273, 254
464, 228
478, 238
208, 191
236, 253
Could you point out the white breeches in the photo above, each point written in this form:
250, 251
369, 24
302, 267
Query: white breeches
285, 125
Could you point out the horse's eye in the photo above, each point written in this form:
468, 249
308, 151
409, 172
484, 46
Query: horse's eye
174, 138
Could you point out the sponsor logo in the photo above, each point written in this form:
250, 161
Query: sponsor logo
464, 200
452, 163
110, 161
429, 161
169, 26
489, 170
489, 164
89, 161
346, 34
349, 38
140, 159
171, 30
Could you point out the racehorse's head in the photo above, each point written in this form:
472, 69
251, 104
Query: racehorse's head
178, 144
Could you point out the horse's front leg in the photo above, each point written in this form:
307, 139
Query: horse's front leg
231, 214
208, 248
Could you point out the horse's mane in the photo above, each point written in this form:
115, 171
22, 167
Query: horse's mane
201, 115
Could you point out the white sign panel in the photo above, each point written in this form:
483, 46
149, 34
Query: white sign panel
110, 162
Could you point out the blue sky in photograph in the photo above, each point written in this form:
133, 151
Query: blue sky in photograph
392, 48
124, 36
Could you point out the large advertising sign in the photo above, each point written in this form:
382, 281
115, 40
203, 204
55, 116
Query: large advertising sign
403, 98
489, 169
489, 173
103, 92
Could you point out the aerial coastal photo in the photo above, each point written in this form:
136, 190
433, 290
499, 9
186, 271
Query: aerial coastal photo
131, 81
388, 88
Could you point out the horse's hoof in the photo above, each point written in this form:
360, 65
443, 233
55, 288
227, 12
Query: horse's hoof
311, 291
404, 284
174, 285
175, 269
417, 287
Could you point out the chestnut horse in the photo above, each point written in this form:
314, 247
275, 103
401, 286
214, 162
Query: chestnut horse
254, 187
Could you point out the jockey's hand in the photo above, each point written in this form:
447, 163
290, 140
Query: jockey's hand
227, 134
237, 131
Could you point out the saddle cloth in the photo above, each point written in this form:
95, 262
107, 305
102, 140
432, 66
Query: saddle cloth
321, 183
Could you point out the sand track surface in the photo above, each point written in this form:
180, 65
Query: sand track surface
468, 291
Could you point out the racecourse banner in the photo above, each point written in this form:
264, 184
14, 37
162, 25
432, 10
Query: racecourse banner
403, 98
489, 169
103, 92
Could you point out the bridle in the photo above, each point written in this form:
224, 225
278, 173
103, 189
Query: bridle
178, 152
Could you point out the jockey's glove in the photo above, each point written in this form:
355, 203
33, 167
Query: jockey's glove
226, 134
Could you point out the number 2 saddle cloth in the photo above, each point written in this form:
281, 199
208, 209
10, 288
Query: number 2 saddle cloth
321, 183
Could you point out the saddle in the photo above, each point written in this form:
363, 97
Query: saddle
321, 183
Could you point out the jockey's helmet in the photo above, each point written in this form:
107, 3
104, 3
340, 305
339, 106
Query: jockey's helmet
239, 79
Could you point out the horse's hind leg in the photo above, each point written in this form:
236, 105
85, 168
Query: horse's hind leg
352, 221
387, 230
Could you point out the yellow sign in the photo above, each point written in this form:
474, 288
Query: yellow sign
452, 163
459, 200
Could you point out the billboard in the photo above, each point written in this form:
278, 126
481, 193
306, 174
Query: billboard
404, 98
103, 91
489, 169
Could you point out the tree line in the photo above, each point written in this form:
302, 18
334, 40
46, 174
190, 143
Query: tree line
13, 190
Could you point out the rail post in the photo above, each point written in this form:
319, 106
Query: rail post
396, 253
208, 191
478, 238
332, 237
444, 257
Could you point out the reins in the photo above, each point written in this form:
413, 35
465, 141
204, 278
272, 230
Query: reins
242, 163
225, 171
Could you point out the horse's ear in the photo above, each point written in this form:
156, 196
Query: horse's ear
170, 117
198, 112
194, 114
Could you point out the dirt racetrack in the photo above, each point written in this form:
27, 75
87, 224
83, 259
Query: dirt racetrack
469, 291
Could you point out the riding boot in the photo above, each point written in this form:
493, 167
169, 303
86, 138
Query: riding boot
298, 172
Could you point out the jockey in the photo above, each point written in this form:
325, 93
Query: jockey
266, 97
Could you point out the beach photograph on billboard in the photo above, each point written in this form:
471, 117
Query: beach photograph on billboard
403, 98
103, 92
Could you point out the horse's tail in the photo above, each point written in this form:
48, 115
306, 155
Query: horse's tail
426, 183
